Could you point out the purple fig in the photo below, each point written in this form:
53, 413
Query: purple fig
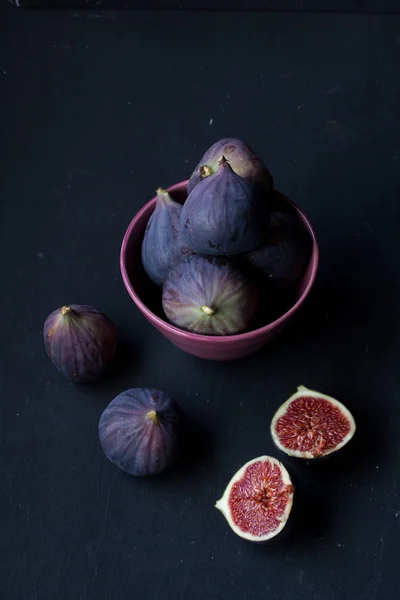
140, 431
163, 244
242, 159
284, 255
225, 214
80, 341
210, 296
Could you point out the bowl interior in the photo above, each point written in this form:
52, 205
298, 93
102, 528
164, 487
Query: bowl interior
150, 294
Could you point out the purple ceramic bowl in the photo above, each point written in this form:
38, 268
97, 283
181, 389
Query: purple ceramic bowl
147, 296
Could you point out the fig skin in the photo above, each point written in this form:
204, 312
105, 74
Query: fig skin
319, 417
210, 296
140, 431
81, 342
258, 500
163, 244
242, 159
225, 214
287, 249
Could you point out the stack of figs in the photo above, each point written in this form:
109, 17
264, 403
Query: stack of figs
225, 256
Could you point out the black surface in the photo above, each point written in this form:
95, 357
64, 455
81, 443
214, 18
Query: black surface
98, 110
380, 6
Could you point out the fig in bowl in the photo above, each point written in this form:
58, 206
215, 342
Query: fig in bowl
225, 214
163, 243
209, 295
243, 160
285, 252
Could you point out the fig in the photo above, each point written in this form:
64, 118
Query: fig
209, 295
81, 341
242, 159
225, 214
258, 499
139, 431
163, 243
311, 425
285, 254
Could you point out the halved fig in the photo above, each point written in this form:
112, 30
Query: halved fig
311, 425
258, 499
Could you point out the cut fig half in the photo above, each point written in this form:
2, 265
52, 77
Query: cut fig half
258, 499
311, 425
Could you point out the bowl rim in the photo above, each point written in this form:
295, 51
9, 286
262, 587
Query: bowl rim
215, 339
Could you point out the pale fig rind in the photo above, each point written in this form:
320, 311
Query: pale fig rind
284, 255
210, 296
81, 342
225, 214
314, 428
140, 431
242, 159
163, 244
258, 499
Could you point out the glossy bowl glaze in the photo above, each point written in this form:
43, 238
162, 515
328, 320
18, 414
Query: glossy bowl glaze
147, 296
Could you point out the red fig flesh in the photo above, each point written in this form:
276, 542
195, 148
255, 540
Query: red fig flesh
311, 425
258, 499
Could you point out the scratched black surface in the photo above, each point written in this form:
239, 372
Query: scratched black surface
96, 111
361, 6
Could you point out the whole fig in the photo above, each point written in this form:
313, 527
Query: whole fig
225, 214
242, 159
140, 431
210, 296
284, 255
81, 341
163, 244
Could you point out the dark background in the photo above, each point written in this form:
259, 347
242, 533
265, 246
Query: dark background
97, 110
358, 6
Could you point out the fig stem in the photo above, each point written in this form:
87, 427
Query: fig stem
223, 162
207, 310
153, 416
65, 310
205, 171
